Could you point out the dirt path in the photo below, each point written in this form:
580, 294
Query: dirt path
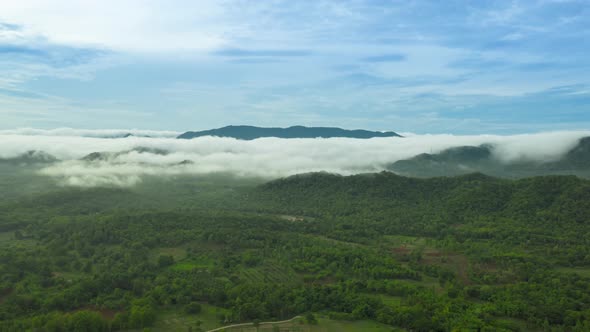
252, 324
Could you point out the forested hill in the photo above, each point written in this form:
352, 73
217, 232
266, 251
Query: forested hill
468, 159
251, 132
386, 188
433, 202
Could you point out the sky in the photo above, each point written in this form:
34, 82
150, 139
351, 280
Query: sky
460, 67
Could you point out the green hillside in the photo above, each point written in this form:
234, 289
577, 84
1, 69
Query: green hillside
460, 253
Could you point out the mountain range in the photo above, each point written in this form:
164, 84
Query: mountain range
107, 156
251, 132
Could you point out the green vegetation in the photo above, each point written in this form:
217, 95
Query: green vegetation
374, 252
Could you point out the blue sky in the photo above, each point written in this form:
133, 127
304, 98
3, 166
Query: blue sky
461, 67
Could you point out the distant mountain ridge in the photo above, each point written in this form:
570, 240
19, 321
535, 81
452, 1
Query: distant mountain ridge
31, 157
107, 156
252, 132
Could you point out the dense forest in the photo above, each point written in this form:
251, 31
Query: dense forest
442, 254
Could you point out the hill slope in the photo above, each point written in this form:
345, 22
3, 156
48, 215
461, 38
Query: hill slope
425, 202
468, 159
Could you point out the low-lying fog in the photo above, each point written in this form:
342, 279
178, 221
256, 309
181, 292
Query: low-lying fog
126, 159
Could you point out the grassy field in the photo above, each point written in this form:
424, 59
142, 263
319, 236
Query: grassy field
324, 325
269, 273
175, 320
583, 272
329, 325
391, 300
8, 239
513, 324
176, 252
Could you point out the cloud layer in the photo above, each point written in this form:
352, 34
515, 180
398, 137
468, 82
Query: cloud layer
97, 133
125, 161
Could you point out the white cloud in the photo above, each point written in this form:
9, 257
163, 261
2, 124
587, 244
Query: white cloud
130, 25
513, 36
98, 133
267, 157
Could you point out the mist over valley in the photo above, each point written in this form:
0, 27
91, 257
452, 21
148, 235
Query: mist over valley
86, 159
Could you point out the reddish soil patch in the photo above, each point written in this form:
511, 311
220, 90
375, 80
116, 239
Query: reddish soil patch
457, 263
402, 250
462, 264
104, 312
489, 267
5, 293
108, 313
323, 281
